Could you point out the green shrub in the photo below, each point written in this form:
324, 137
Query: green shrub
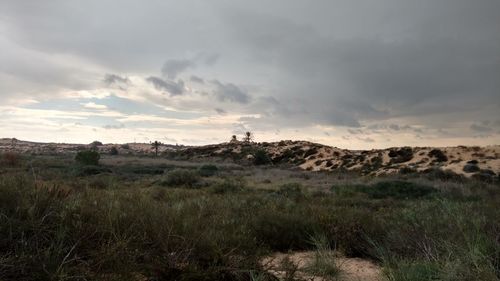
208, 170
182, 177
401, 155
438, 154
443, 175
113, 151
260, 157
284, 231
229, 185
96, 143
397, 189
88, 157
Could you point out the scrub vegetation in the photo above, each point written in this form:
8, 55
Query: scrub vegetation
129, 218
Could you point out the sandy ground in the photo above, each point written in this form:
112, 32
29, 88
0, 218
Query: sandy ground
351, 269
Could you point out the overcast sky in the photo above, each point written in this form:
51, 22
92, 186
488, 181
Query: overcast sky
353, 74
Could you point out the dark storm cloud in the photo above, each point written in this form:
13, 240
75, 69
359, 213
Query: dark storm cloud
110, 79
173, 88
230, 92
327, 62
436, 61
172, 68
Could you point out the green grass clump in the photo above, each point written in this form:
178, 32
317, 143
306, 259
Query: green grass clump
414, 271
182, 177
324, 261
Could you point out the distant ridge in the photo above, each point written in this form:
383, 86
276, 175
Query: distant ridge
469, 161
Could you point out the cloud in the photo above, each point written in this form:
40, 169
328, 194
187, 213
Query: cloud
173, 88
110, 79
366, 139
230, 92
171, 68
197, 79
389, 72
114, 127
480, 128
210, 59
408, 66
92, 105
220, 111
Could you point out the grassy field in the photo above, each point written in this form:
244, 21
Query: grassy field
141, 218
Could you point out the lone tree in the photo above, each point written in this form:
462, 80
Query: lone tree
155, 145
95, 145
234, 138
13, 142
248, 137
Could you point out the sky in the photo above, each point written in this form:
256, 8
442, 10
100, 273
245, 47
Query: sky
353, 74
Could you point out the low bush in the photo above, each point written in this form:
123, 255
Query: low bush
261, 157
208, 170
401, 155
182, 177
443, 175
397, 189
113, 151
10, 159
88, 157
283, 231
439, 155
229, 185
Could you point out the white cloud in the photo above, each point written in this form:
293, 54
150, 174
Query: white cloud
92, 105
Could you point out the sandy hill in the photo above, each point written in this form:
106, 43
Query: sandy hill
470, 161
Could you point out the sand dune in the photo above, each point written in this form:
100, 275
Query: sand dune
469, 161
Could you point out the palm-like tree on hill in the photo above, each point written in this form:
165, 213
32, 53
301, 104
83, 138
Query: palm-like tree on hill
155, 145
248, 137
